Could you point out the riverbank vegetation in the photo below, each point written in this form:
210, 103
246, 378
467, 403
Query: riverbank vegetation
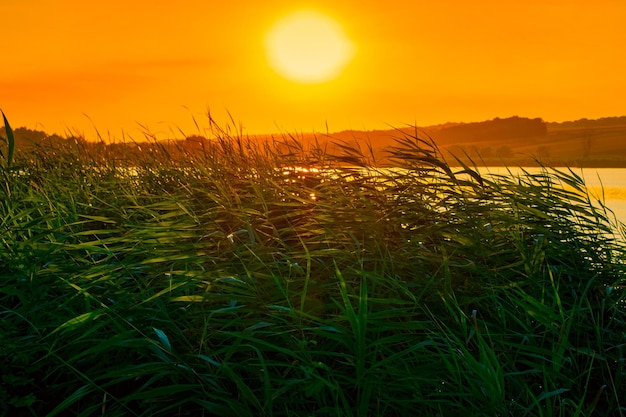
281, 279
513, 141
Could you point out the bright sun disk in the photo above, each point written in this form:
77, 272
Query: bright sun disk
308, 47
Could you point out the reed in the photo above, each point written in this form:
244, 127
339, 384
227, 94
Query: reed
9, 142
228, 282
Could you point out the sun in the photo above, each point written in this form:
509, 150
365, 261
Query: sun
308, 47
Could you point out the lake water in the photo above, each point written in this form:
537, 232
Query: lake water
606, 184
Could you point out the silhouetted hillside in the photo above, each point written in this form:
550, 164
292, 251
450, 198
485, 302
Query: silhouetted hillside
490, 130
27, 138
510, 141
589, 123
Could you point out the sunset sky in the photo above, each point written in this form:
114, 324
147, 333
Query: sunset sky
71, 66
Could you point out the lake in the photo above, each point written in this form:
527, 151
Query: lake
606, 184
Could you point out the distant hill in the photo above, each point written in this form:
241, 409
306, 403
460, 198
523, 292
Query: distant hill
589, 123
490, 130
513, 141
517, 141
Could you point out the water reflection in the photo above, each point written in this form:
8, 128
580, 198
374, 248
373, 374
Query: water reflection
607, 186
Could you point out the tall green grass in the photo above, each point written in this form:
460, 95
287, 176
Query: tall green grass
227, 283
9, 142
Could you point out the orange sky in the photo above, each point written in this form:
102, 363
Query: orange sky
70, 65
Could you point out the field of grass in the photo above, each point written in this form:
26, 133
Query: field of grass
279, 280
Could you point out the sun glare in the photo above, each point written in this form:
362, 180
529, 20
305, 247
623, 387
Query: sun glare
308, 47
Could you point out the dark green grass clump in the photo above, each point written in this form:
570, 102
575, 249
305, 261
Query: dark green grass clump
274, 280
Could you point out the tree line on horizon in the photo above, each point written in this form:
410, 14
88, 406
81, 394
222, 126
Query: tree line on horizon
499, 129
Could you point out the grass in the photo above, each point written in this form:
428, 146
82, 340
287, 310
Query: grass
219, 284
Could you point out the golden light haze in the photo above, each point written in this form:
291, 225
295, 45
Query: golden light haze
73, 66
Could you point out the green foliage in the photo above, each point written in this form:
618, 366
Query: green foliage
9, 141
275, 280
